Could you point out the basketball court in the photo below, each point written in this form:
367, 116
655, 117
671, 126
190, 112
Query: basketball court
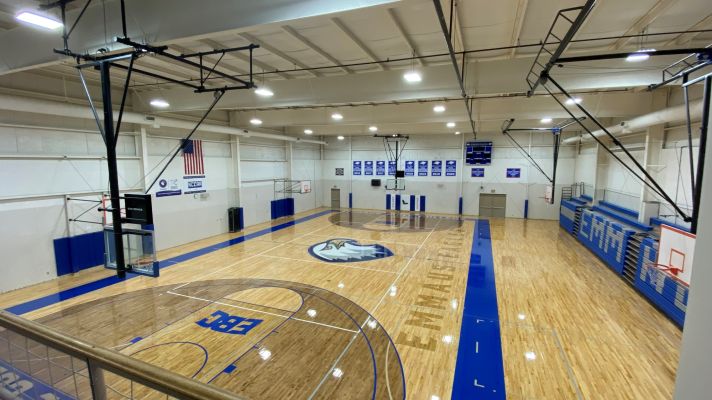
353, 200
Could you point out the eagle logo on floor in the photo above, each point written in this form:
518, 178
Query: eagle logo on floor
348, 250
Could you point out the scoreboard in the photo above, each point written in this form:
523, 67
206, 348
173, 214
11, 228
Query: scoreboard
478, 153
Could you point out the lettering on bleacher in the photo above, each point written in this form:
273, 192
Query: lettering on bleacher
434, 296
615, 241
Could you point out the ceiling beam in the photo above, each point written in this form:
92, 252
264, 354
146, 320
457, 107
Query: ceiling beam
518, 24
278, 53
685, 38
643, 22
245, 58
339, 24
209, 61
404, 35
458, 28
296, 35
153, 64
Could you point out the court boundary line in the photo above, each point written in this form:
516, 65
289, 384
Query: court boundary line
76, 291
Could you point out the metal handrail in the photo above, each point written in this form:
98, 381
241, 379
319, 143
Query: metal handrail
157, 378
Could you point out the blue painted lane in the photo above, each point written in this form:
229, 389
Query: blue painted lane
479, 370
76, 291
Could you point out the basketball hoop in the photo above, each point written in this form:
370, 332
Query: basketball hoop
672, 272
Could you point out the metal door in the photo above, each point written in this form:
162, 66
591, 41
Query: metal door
493, 205
335, 198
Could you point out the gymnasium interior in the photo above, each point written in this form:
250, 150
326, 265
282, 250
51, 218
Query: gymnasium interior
355, 199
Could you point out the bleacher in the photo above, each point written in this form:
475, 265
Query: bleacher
628, 247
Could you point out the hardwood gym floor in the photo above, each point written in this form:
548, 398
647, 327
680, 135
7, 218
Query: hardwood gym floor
268, 318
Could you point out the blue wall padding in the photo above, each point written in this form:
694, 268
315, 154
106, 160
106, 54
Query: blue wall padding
422, 203
412, 202
282, 208
608, 238
75, 253
398, 202
388, 202
619, 209
459, 206
351, 200
526, 209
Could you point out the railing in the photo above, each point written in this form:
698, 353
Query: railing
37, 362
627, 200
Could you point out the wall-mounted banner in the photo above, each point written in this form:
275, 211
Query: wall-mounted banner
422, 168
514, 172
168, 187
391, 167
478, 173
368, 167
436, 170
410, 168
194, 184
450, 168
357, 168
380, 167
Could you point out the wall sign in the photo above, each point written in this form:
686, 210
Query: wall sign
194, 184
339, 172
357, 168
168, 187
422, 168
514, 172
391, 167
410, 168
380, 167
436, 170
478, 173
450, 168
368, 167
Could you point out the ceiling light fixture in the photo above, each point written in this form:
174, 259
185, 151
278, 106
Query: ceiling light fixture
256, 121
38, 20
264, 92
439, 108
546, 120
640, 55
337, 117
457, 132
373, 128
412, 77
572, 101
450, 124
308, 131
159, 103
340, 137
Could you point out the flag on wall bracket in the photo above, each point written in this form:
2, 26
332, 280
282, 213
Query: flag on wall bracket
193, 157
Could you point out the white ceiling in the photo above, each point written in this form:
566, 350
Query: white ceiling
375, 35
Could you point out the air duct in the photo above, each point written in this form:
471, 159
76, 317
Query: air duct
48, 107
664, 116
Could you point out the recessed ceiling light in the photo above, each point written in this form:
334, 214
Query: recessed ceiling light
640, 55
38, 20
264, 92
395, 135
337, 116
308, 131
340, 137
412, 77
439, 108
457, 132
572, 101
546, 120
256, 121
450, 124
159, 103
373, 128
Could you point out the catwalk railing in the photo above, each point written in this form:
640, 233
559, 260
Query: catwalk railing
39, 362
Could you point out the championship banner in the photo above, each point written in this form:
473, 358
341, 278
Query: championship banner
437, 168
368, 167
450, 167
422, 168
194, 184
409, 168
357, 168
391, 167
380, 167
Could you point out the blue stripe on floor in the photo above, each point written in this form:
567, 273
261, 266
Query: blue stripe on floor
479, 371
67, 294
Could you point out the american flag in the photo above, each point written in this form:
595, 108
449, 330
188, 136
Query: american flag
193, 157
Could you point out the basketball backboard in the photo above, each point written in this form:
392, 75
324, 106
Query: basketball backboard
395, 184
676, 251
